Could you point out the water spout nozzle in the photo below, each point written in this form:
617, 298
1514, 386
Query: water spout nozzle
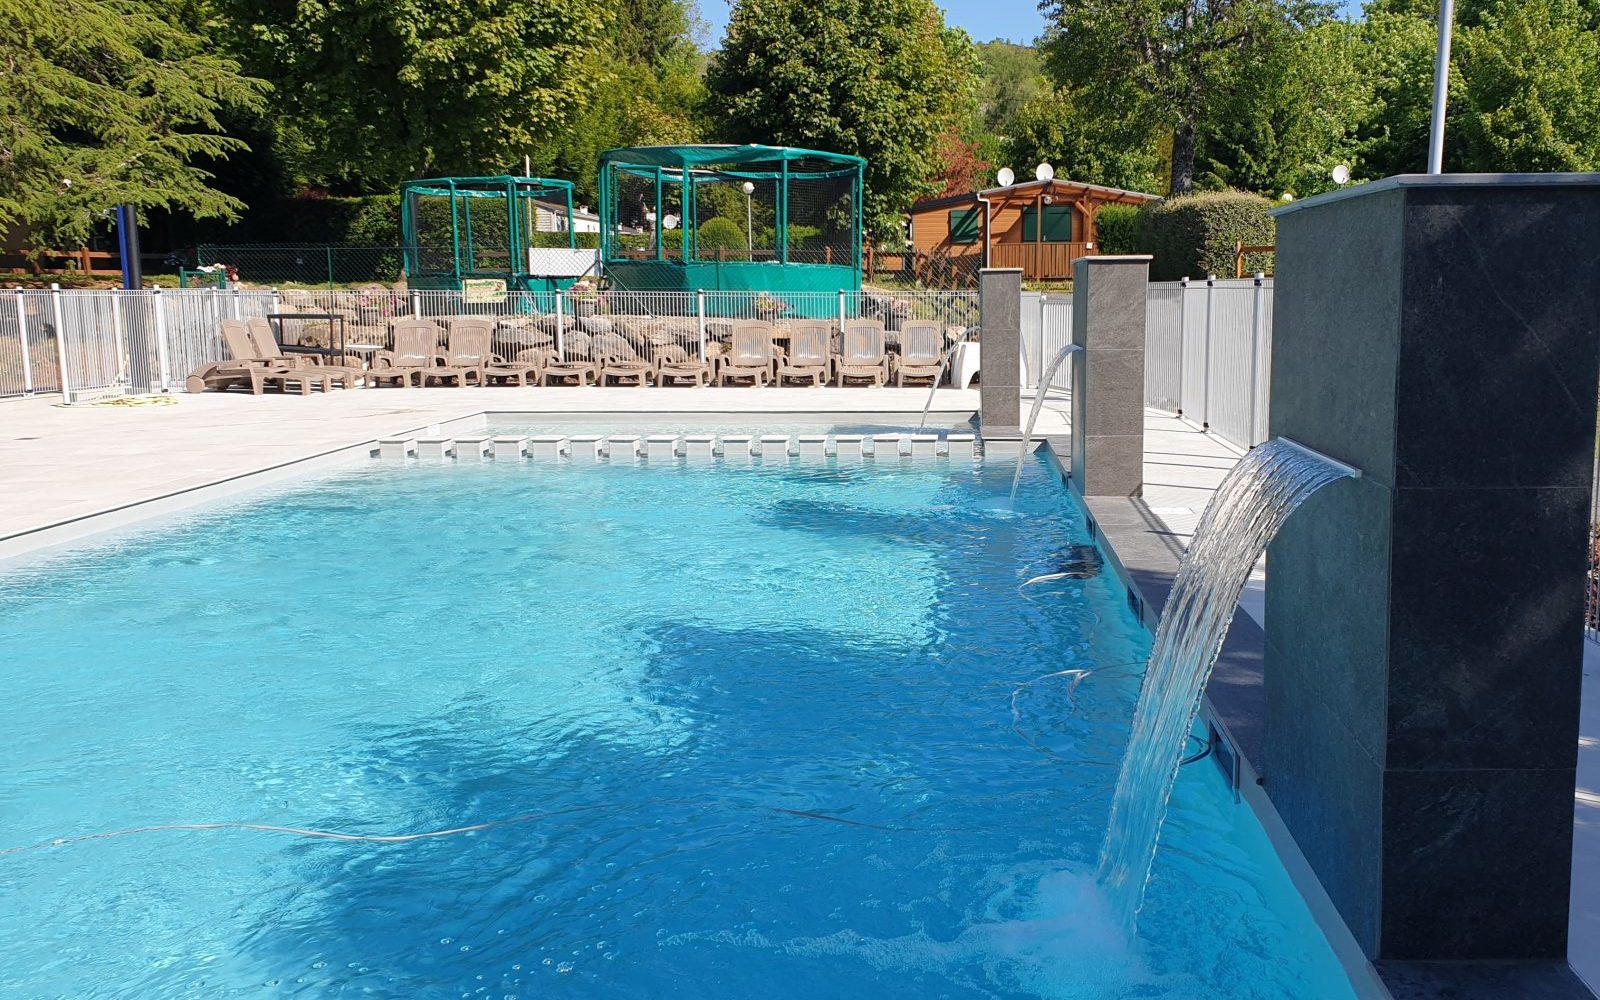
1349, 470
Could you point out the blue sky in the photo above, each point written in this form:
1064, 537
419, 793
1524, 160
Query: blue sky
1013, 20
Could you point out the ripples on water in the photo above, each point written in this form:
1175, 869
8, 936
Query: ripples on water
804, 716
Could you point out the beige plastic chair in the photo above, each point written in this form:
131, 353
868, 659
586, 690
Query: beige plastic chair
244, 368
810, 353
575, 360
675, 363
863, 354
415, 354
467, 355
345, 370
750, 354
920, 353
620, 360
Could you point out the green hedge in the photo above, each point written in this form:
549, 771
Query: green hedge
1113, 228
1194, 236
720, 233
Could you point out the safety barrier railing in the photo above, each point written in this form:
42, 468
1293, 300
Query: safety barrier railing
1208, 354
89, 343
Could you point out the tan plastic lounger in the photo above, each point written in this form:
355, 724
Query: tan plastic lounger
674, 363
620, 360
471, 346
416, 351
864, 355
750, 354
921, 356
810, 353
344, 371
245, 368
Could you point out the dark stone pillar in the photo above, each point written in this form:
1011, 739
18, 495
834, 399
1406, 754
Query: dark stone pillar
1424, 623
1108, 321
1000, 371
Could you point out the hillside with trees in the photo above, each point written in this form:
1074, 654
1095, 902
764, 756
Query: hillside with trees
211, 115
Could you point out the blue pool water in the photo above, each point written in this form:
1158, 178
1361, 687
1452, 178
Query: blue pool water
786, 732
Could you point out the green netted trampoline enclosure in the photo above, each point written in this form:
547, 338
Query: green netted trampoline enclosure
516, 229
730, 218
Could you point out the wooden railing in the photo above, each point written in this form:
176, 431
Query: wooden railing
82, 261
1039, 261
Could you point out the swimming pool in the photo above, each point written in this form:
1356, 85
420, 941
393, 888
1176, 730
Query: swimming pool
777, 730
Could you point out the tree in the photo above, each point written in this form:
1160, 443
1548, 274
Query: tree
963, 165
1056, 129
649, 92
1173, 64
377, 91
1529, 98
881, 79
1293, 115
1011, 75
106, 103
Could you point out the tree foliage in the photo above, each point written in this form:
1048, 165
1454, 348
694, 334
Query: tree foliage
1010, 76
372, 92
881, 79
1172, 65
105, 102
1058, 129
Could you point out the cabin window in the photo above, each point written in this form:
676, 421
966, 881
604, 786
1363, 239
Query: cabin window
964, 225
1059, 223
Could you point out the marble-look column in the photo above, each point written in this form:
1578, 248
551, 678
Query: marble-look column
1108, 322
1424, 623
1000, 374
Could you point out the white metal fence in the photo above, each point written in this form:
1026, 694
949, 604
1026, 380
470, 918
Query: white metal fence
1046, 329
109, 342
1208, 352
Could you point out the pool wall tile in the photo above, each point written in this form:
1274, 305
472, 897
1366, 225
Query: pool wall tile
548, 446
812, 447
472, 448
699, 447
662, 447
849, 447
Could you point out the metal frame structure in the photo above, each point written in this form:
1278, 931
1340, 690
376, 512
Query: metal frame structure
687, 267
430, 266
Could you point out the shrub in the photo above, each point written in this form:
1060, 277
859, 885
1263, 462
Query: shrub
1194, 236
1113, 227
721, 233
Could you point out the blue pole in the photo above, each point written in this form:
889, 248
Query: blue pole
128, 246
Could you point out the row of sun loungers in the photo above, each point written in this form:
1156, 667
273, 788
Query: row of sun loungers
756, 352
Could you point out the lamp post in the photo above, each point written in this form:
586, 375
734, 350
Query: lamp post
1441, 87
749, 229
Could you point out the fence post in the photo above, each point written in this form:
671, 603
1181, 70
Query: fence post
1205, 402
330, 268
841, 316
1038, 371
416, 305
561, 353
121, 336
1183, 334
238, 309
700, 318
161, 337
61, 340
22, 331
1257, 313
277, 300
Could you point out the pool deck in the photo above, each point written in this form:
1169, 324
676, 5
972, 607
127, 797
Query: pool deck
60, 465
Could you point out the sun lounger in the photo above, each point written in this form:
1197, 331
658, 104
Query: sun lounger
243, 369
343, 370
415, 355
921, 353
810, 353
863, 354
619, 359
750, 354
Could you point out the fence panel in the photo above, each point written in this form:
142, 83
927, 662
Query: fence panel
1163, 346
1057, 334
1230, 393
1194, 349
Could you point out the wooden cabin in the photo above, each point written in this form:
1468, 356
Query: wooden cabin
1000, 227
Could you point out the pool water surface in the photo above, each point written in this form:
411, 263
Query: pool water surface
788, 731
